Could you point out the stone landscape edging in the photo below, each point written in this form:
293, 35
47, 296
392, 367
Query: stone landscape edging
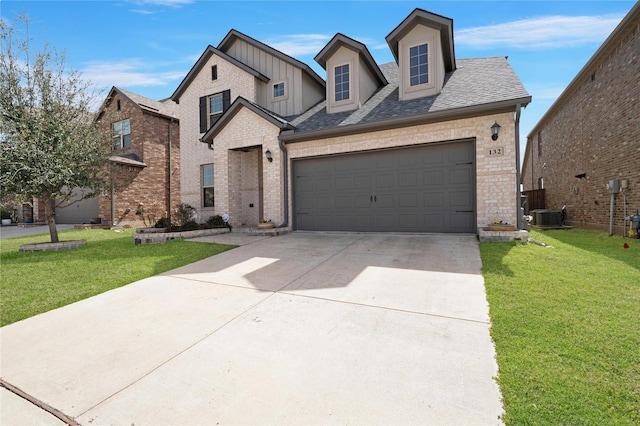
61, 245
158, 236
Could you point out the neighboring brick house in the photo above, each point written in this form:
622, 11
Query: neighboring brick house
403, 146
146, 152
591, 135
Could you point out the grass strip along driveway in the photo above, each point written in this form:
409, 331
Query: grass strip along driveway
32, 283
566, 327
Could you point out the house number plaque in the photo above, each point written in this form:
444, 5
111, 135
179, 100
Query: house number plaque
496, 151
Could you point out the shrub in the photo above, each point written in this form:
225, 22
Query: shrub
163, 222
184, 213
190, 225
216, 221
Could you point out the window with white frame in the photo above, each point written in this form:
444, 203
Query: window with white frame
121, 134
208, 199
341, 82
278, 90
216, 105
418, 65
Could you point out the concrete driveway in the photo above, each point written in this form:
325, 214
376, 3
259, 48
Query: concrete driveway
305, 328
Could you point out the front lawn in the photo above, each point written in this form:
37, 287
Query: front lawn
32, 283
566, 325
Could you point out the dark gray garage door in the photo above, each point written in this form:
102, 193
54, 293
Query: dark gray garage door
430, 188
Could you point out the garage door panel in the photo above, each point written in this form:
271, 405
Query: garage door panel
434, 222
433, 178
385, 222
461, 221
408, 179
408, 200
344, 202
408, 222
383, 201
434, 200
430, 188
323, 184
363, 222
461, 199
344, 183
460, 176
361, 182
386, 180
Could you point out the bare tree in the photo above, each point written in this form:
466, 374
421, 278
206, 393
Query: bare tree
50, 144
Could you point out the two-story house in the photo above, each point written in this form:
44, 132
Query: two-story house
144, 167
427, 143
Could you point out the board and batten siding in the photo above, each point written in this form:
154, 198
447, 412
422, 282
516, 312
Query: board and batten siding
277, 70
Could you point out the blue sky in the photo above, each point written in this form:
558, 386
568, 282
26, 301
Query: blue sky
148, 46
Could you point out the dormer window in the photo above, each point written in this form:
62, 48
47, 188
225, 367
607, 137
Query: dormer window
418, 65
342, 82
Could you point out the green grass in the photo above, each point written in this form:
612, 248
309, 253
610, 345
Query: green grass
566, 325
32, 283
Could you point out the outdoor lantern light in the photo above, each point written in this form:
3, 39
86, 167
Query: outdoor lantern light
267, 154
494, 131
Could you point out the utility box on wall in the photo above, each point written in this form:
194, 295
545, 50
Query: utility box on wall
614, 186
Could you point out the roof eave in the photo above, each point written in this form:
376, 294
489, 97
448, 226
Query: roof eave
413, 120
232, 111
208, 52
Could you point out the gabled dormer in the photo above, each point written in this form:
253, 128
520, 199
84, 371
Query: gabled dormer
423, 48
352, 74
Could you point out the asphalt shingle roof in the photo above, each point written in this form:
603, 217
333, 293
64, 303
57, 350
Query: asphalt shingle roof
165, 108
474, 82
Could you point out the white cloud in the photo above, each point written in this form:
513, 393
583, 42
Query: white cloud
300, 44
127, 74
541, 33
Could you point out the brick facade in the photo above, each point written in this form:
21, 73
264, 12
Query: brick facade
142, 193
195, 153
593, 129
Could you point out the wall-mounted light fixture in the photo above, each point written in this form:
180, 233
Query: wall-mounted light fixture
267, 154
495, 129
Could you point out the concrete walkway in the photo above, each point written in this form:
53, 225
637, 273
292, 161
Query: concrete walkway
304, 328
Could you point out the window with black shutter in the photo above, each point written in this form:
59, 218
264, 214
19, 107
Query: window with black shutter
212, 107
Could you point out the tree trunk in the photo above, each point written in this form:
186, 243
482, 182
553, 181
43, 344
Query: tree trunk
50, 214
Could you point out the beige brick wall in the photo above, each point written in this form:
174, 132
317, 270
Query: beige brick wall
195, 153
240, 175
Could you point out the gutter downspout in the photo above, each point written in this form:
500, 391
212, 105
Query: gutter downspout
169, 199
113, 198
285, 185
518, 198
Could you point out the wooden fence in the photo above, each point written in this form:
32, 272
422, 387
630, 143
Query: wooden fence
535, 200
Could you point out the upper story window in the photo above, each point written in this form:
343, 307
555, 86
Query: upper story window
278, 90
215, 104
418, 65
342, 82
121, 134
214, 72
212, 107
